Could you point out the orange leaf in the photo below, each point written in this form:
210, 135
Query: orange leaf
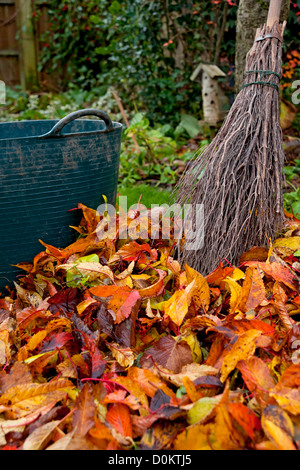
245, 417
133, 251
155, 289
253, 290
118, 416
216, 276
148, 381
277, 272
190, 389
122, 300
257, 377
225, 432
244, 347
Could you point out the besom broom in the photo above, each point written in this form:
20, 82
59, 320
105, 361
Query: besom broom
238, 177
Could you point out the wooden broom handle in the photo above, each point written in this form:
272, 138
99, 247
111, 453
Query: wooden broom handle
274, 12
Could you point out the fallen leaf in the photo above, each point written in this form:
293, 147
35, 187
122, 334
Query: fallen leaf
85, 409
177, 306
253, 290
201, 295
168, 353
278, 427
246, 418
118, 416
40, 437
243, 348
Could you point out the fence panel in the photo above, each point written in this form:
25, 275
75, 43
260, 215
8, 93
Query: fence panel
9, 47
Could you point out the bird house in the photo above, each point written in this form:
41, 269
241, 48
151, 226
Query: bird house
214, 99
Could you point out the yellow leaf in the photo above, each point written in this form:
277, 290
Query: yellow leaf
22, 399
36, 339
235, 293
244, 347
237, 274
195, 347
177, 306
124, 356
291, 242
288, 398
278, 427
201, 295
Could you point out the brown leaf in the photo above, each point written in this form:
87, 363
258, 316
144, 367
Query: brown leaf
40, 437
85, 408
168, 353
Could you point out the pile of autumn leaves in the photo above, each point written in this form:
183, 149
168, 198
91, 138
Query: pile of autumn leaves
111, 344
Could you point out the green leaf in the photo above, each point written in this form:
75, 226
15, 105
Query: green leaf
202, 409
114, 7
190, 124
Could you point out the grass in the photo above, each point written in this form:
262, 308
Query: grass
149, 195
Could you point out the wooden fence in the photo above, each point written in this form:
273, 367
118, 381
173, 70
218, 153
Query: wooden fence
20, 42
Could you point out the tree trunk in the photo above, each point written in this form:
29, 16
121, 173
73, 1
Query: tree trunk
251, 15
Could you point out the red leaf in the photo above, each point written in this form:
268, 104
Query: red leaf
65, 299
58, 340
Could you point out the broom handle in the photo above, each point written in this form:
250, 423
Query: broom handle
274, 12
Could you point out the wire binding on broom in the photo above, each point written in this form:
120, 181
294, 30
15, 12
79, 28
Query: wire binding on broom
261, 82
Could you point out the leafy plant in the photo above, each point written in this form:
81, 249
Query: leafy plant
292, 202
153, 157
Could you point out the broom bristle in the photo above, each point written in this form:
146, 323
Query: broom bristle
238, 177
